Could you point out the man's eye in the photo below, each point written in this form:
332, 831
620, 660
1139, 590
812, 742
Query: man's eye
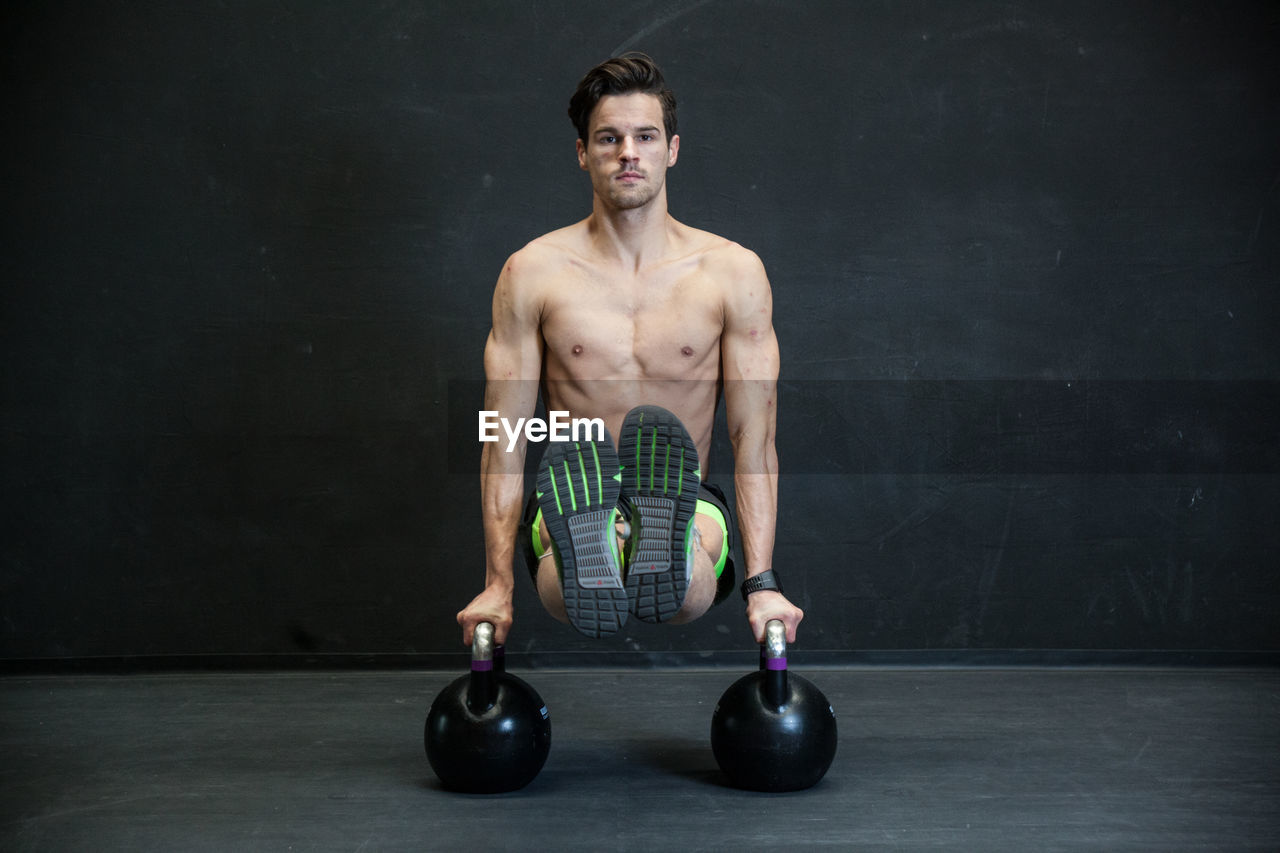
608, 140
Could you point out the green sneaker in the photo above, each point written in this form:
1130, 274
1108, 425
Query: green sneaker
578, 487
660, 478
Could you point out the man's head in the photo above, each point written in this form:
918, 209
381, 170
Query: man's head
622, 75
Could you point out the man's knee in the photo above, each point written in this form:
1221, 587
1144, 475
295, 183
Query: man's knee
549, 590
712, 536
701, 591
715, 540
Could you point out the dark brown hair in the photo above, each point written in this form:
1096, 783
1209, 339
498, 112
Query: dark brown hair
622, 75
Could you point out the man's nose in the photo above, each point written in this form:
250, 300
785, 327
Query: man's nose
628, 149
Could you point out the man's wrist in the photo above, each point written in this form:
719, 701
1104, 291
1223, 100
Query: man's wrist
767, 579
498, 580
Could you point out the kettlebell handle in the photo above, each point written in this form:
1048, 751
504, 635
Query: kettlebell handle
773, 663
775, 643
482, 691
482, 646
773, 651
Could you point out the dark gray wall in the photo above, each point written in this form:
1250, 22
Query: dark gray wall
1025, 264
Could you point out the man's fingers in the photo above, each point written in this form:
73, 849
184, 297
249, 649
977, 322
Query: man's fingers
794, 623
784, 611
468, 621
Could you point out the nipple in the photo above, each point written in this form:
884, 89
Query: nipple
686, 351
577, 349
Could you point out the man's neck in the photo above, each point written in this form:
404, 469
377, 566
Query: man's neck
631, 237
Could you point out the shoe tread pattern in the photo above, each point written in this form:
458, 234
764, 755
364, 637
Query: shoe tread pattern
578, 490
660, 477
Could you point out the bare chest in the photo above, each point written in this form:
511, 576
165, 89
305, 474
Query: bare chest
664, 326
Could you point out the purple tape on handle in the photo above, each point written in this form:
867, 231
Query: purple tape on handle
775, 664
481, 665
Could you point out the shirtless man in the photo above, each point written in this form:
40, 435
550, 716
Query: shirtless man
633, 318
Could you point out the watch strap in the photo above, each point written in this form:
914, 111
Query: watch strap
765, 580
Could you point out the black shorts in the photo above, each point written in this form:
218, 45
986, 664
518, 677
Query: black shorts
726, 581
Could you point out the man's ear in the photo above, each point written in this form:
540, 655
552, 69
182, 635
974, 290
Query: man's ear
673, 150
582, 155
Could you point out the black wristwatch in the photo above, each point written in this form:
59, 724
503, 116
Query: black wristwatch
764, 580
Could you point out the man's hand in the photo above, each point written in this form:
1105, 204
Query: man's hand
769, 604
493, 606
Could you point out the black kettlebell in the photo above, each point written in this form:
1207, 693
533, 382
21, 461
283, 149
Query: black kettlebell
487, 732
773, 730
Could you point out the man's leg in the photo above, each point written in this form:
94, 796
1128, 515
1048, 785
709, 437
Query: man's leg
549, 584
701, 594
680, 542
703, 581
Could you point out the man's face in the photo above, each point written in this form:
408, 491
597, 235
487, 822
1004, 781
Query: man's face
627, 152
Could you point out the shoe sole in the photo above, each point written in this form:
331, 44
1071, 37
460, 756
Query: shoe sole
578, 486
660, 478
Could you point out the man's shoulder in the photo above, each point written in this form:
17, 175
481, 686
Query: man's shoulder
545, 254
735, 271
720, 253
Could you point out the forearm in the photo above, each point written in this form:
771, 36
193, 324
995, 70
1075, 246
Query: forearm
501, 466
756, 485
501, 501
500, 492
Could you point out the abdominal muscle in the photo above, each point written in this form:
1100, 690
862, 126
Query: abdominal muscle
692, 400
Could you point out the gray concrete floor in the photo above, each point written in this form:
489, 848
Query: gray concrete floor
954, 759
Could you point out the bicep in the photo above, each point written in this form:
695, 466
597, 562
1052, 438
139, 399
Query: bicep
513, 351
749, 349
514, 348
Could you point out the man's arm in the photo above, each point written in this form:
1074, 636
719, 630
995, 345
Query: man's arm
749, 358
512, 364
